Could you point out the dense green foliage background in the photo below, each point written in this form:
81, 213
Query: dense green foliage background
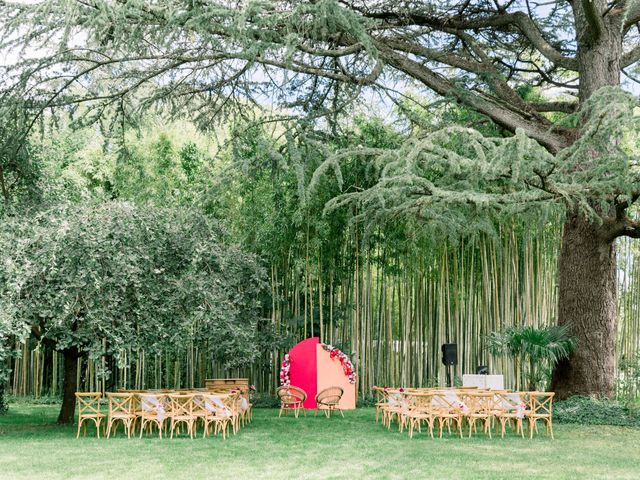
169, 255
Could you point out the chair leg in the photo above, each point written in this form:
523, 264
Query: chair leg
79, 424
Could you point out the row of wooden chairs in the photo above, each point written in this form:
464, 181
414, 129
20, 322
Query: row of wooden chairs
472, 407
162, 410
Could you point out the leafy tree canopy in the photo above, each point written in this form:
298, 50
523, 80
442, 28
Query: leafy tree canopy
119, 277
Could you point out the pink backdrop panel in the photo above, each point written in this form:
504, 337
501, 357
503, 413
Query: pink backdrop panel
303, 369
331, 374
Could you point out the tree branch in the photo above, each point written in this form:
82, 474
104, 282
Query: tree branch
500, 22
628, 228
499, 114
594, 20
565, 107
632, 13
631, 57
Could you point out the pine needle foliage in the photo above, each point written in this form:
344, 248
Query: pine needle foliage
460, 182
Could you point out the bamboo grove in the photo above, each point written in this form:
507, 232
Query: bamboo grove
393, 322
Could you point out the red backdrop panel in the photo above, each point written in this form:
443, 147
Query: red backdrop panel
303, 370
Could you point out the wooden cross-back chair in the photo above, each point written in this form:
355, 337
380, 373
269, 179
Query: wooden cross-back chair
382, 399
447, 408
291, 398
480, 408
235, 402
246, 406
120, 410
393, 407
89, 410
182, 412
328, 400
217, 414
540, 408
152, 412
420, 410
511, 407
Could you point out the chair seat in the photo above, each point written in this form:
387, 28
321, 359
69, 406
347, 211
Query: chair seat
511, 414
394, 409
92, 415
150, 415
183, 417
122, 415
419, 415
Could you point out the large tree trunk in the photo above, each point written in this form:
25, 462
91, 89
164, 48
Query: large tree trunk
587, 264
69, 388
587, 301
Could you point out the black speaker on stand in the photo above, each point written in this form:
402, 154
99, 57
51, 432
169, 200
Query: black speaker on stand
449, 359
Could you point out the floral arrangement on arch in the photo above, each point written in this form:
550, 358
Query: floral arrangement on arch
347, 366
285, 381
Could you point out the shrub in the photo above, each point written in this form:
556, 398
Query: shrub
594, 411
264, 400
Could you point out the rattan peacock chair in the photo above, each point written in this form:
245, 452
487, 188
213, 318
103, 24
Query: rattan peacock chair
328, 400
291, 398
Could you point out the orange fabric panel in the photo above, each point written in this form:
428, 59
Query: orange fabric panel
330, 374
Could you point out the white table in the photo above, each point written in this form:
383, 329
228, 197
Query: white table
494, 382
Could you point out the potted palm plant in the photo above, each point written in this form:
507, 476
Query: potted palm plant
535, 347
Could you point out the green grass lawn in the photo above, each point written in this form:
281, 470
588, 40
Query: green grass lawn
32, 446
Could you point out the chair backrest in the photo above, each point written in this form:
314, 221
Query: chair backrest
479, 402
88, 403
151, 401
381, 395
448, 400
182, 404
421, 401
291, 394
120, 403
330, 395
232, 401
509, 401
215, 405
541, 403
